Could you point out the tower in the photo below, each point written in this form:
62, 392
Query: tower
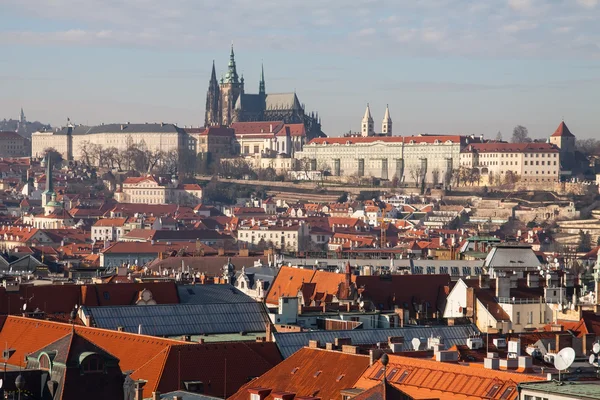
261, 84
386, 125
563, 139
49, 191
212, 115
22, 118
231, 89
367, 123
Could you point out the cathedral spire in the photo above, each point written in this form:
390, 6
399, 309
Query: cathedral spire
386, 124
261, 85
211, 116
231, 76
213, 75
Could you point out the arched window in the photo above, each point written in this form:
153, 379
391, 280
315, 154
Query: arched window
91, 363
45, 362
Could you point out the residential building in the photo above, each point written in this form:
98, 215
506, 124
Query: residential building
289, 234
212, 142
533, 162
550, 390
12, 145
268, 139
108, 229
158, 190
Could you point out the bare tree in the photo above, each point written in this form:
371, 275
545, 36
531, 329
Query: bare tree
499, 136
520, 135
416, 173
435, 177
491, 178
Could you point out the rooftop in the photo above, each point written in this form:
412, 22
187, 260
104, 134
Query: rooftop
579, 390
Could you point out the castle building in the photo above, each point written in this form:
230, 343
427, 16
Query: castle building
227, 103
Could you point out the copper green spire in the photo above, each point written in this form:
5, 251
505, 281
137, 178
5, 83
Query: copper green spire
231, 76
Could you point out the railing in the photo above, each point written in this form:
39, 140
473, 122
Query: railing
512, 300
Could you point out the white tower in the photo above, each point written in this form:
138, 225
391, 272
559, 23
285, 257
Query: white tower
367, 123
386, 125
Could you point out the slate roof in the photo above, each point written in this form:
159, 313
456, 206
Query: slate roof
182, 319
507, 256
282, 101
211, 294
289, 343
183, 395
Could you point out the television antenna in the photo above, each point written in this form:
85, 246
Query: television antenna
564, 359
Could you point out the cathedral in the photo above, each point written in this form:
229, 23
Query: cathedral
227, 102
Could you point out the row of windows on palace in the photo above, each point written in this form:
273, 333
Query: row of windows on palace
516, 163
453, 271
264, 235
511, 155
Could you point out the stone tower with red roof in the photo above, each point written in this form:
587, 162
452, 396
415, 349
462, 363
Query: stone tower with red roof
563, 139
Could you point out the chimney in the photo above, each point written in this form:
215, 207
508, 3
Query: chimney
119, 328
155, 395
502, 286
342, 342
139, 389
484, 281
313, 344
374, 355
533, 280
221, 251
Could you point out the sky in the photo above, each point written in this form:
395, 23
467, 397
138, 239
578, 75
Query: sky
443, 66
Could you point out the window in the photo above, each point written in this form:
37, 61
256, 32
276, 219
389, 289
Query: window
507, 393
493, 390
317, 374
44, 361
106, 296
379, 373
402, 377
92, 364
530, 317
518, 321
295, 370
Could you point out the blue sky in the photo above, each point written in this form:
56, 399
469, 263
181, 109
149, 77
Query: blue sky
443, 66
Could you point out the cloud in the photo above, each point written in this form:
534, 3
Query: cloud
520, 5
563, 29
421, 28
588, 3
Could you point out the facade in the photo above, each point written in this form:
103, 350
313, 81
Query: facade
152, 190
533, 162
282, 235
268, 139
213, 143
12, 145
409, 158
227, 102
108, 229
72, 140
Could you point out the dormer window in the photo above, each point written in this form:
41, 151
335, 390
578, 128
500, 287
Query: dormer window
91, 363
45, 362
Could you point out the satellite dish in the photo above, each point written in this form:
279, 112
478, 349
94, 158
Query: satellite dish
596, 348
556, 260
1, 382
564, 358
24, 306
592, 359
416, 343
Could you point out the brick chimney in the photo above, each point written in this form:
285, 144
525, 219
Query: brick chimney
155, 395
484, 281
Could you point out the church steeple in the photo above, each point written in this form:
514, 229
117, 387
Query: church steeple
261, 85
231, 76
367, 123
386, 125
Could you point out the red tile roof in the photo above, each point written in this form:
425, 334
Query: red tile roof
511, 148
163, 363
562, 131
390, 139
245, 128
309, 372
431, 379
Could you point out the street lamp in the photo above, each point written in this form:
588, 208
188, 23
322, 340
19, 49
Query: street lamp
20, 384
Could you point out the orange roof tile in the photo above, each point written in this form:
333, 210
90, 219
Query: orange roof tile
310, 372
562, 131
428, 378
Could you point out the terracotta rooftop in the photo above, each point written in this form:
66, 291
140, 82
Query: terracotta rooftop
511, 148
423, 378
309, 373
562, 131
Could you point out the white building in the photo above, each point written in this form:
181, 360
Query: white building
534, 162
155, 190
281, 234
110, 229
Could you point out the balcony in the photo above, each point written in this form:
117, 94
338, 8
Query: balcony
513, 300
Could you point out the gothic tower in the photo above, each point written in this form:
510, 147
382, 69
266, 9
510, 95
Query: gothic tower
386, 125
231, 88
212, 115
367, 123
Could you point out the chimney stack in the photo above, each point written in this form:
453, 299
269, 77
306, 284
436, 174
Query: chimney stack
139, 389
502, 286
